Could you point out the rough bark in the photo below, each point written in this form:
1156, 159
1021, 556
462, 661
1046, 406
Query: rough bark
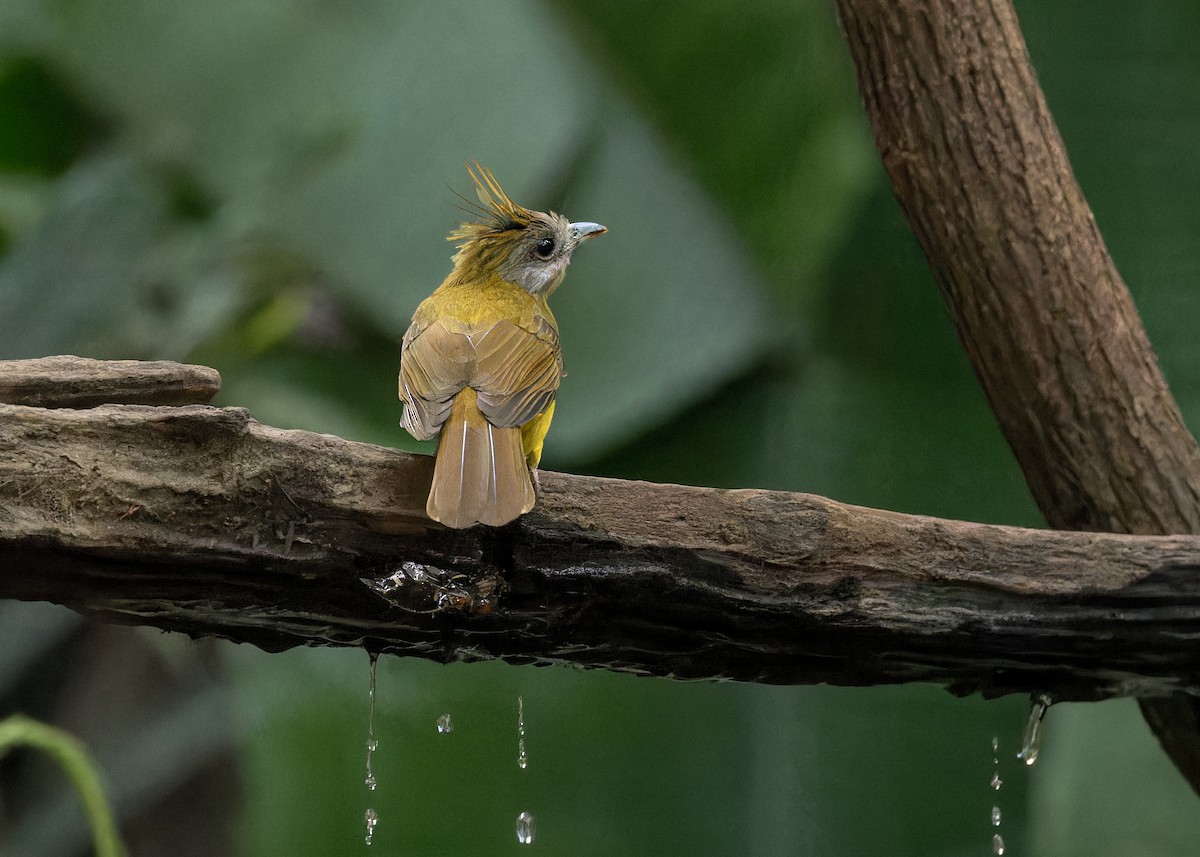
982, 175
66, 381
201, 520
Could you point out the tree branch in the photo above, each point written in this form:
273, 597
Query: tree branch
201, 520
982, 175
77, 382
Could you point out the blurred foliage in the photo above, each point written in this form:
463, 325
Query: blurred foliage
264, 187
43, 127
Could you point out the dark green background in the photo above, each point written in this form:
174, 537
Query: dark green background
265, 186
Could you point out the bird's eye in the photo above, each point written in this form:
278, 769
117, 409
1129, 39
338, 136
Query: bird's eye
544, 248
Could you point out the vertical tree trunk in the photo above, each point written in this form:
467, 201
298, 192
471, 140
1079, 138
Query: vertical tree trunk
982, 175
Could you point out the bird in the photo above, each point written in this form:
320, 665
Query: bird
481, 362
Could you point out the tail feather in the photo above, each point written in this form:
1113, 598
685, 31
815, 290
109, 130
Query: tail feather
481, 475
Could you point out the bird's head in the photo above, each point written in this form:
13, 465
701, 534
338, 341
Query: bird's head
529, 248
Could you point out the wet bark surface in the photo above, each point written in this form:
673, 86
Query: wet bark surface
201, 520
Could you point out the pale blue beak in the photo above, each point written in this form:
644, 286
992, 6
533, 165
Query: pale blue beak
584, 230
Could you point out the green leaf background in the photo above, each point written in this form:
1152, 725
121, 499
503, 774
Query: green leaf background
265, 187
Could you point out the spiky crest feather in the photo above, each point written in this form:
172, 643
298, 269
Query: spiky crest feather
501, 213
488, 244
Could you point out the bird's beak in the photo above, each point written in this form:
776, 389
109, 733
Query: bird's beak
583, 231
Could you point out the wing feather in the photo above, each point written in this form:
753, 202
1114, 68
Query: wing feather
518, 371
515, 369
435, 363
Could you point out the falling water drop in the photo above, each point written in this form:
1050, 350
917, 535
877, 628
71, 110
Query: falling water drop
1031, 742
525, 819
522, 756
372, 744
525, 828
372, 819
445, 724
996, 783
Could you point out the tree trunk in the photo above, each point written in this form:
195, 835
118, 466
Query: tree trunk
982, 175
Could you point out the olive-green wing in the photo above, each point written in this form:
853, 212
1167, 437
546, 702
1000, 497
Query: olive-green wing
517, 372
515, 369
435, 363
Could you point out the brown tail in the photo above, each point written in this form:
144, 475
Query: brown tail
480, 474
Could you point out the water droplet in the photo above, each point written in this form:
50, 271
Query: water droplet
372, 819
384, 586
372, 744
995, 783
522, 756
1031, 742
445, 724
525, 828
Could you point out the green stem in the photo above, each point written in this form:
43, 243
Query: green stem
20, 731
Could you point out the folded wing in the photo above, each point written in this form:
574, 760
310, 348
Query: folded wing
515, 370
475, 386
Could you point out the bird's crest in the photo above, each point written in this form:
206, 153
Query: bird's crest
499, 212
